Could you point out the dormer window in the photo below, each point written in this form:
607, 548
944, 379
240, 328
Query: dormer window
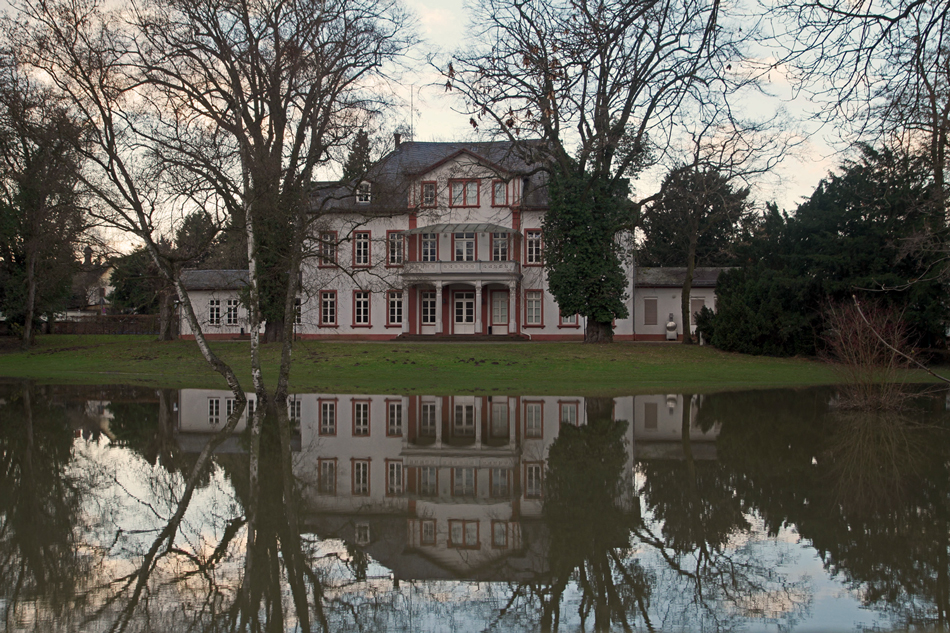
363, 193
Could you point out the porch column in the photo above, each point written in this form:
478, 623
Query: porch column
405, 310
478, 307
438, 308
512, 289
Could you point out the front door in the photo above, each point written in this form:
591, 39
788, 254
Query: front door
464, 313
499, 312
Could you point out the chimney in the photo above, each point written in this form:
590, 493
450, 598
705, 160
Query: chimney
398, 138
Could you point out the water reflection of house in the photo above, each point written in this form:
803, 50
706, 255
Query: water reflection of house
434, 486
658, 428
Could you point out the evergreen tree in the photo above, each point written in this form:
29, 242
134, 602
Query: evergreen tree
359, 159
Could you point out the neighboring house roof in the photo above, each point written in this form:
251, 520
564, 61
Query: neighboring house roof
703, 277
392, 175
214, 279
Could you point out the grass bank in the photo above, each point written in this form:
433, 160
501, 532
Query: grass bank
423, 368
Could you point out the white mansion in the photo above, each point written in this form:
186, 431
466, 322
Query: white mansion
439, 239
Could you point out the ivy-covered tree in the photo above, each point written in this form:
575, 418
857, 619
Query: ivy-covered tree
582, 252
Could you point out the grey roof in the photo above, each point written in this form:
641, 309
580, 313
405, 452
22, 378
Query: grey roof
671, 276
391, 176
214, 279
460, 228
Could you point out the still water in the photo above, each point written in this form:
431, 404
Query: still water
754, 511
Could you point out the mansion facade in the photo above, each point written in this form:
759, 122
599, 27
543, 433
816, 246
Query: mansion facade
438, 239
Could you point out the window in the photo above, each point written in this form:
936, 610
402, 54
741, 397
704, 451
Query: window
463, 482
427, 423
361, 419
499, 247
499, 482
499, 193
364, 193
231, 314
428, 308
327, 483
695, 305
464, 247
532, 240
430, 247
360, 476
361, 533
394, 418
569, 320
533, 421
569, 413
464, 422
298, 311
393, 478
394, 313
428, 481
328, 417
499, 419
327, 248
293, 412
214, 312
532, 308
427, 532
328, 308
428, 194
214, 411
395, 248
250, 409
230, 406
463, 193
499, 534
361, 309
650, 411
361, 244
463, 533
532, 481
649, 311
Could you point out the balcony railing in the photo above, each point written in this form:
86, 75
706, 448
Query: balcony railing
461, 268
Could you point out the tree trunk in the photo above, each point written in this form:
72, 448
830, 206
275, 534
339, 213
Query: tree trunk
165, 316
687, 289
597, 332
273, 331
30, 298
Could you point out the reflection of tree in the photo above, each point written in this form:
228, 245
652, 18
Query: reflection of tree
38, 503
589, 528
706, 539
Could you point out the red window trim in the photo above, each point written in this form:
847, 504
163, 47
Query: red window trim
438, 246
478, 192
453, 247
388, 402
336, 416
369, 417
525, 323
562, 324
369, 249
494, 202
405, 305
560, 410
435, 198
369, 308
336, 311
395, 494
422, 540
494, 546
388, 263
462, 545
541, 404
336, 473
369, 481
525, 262
321, 263
527, 465
491, 246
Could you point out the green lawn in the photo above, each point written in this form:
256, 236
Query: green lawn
424, 368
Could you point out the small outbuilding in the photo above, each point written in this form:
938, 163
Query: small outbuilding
657, 303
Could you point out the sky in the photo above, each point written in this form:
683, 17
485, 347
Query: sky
443, 26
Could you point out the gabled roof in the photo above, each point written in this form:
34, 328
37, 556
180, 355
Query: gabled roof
392, 175
194, 279
703, 277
